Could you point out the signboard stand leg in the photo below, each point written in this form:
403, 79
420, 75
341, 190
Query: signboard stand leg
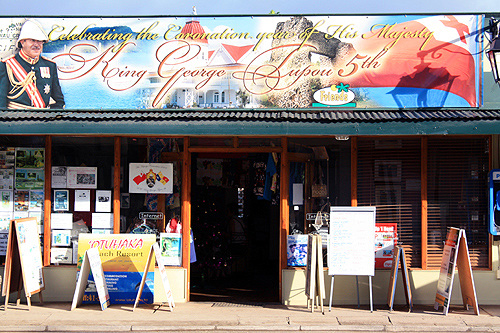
371, 293
357, 290
331, 293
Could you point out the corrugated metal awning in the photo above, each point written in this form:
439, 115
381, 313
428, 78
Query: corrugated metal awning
250, 122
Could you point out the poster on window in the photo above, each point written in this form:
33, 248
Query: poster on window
6, 179
36, 200
6, 201
124, 257
153, 178
59, 177
29, 179
103, 201
30, 158
7, 157
82, 177
82, 200
385, 242
21, 201
171, 249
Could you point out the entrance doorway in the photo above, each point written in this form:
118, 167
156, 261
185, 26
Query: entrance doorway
235, 224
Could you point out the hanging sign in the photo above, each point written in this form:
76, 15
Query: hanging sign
292, 62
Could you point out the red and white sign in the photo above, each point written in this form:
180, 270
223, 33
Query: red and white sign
385, 242
151, 178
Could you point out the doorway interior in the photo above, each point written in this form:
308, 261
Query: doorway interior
235, 225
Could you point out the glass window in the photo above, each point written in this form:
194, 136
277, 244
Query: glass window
82, 192
149, 165
22, 177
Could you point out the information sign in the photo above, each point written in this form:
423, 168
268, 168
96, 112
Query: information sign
23, 260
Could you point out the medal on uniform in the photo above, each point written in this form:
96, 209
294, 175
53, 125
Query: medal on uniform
45, 72
46, 89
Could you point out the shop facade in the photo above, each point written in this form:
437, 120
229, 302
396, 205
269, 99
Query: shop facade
247, 173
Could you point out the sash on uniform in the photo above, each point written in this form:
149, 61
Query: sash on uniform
30, 87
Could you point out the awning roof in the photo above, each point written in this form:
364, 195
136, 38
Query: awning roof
250, 122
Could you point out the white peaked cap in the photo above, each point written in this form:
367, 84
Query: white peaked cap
31, 29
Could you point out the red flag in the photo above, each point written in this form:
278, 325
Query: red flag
438, 52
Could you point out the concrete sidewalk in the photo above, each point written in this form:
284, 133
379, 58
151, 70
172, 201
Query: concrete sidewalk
270, 317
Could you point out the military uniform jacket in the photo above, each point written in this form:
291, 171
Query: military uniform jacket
44, 83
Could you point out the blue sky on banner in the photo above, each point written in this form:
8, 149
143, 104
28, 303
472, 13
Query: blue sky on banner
232, 7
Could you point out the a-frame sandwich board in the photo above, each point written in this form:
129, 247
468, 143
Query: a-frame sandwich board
91, 261
399, 258
456, 255
156, 253
23, 261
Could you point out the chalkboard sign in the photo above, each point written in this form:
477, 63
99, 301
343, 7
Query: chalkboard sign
23, 260
351, 248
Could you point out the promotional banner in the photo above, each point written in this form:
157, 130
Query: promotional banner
393, 61
123, 258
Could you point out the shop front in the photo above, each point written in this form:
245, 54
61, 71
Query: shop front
234, 152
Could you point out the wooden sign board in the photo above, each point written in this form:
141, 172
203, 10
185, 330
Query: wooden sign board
311, 266
91, 262
315, 284
456, 255
399, 258
23, 260
155, 251
320, 272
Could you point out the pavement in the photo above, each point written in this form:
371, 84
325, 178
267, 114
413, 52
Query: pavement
243, 317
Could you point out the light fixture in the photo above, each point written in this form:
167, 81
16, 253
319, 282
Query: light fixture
342, 137
494, 50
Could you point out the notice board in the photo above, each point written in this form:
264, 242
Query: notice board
351, 249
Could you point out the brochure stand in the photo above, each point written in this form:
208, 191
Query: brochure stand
399, 258
351, 249
155, 250
456, 254
315, 284
91, 261
23, 261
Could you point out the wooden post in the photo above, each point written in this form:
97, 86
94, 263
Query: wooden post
186, 213
284, 210
47, 206
116, 187
354, 171
423, 198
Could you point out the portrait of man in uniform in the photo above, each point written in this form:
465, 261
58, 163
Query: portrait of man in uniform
27, 79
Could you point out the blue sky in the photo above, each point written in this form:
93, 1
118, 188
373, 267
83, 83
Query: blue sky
231, 7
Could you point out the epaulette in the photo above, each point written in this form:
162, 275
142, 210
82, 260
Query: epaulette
4, 60
45, 58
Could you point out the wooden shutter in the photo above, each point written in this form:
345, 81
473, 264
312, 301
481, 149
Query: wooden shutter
457, 195
388, 177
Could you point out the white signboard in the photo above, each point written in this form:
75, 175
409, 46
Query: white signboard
351, 250
151, 178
